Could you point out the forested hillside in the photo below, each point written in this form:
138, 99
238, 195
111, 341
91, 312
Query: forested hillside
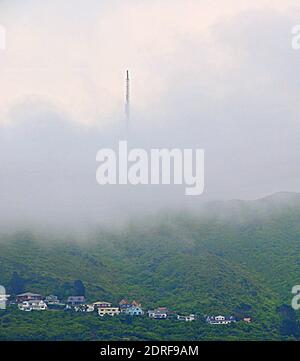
237, 257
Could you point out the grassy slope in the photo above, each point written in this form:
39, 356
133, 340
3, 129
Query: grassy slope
233, 254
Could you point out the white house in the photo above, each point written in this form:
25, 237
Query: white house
133, 311
76, 300
84, 308
186, 318
110, 311
90, 308
101, 304
52, 299
32, 305
159, 313
28, 296
220, 320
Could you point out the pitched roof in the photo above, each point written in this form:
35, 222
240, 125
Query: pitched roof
101, 303
27, 294
124, 302
31, 302
161, 311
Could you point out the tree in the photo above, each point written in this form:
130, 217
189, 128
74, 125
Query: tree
289, 325
16, 284
79, 288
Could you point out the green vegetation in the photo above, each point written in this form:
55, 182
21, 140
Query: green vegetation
240, 258
60, 325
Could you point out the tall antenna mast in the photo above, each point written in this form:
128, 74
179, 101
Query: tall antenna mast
127, 101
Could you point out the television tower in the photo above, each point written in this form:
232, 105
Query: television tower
127, 102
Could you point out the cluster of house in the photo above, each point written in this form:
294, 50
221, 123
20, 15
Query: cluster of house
220, 320
35, 302
223, 320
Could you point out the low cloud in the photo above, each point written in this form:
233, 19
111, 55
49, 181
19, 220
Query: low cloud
219, 78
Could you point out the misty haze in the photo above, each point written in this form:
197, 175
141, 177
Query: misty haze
80, 76
213, 88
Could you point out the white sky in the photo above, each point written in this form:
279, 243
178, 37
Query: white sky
219, 75
73, 54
